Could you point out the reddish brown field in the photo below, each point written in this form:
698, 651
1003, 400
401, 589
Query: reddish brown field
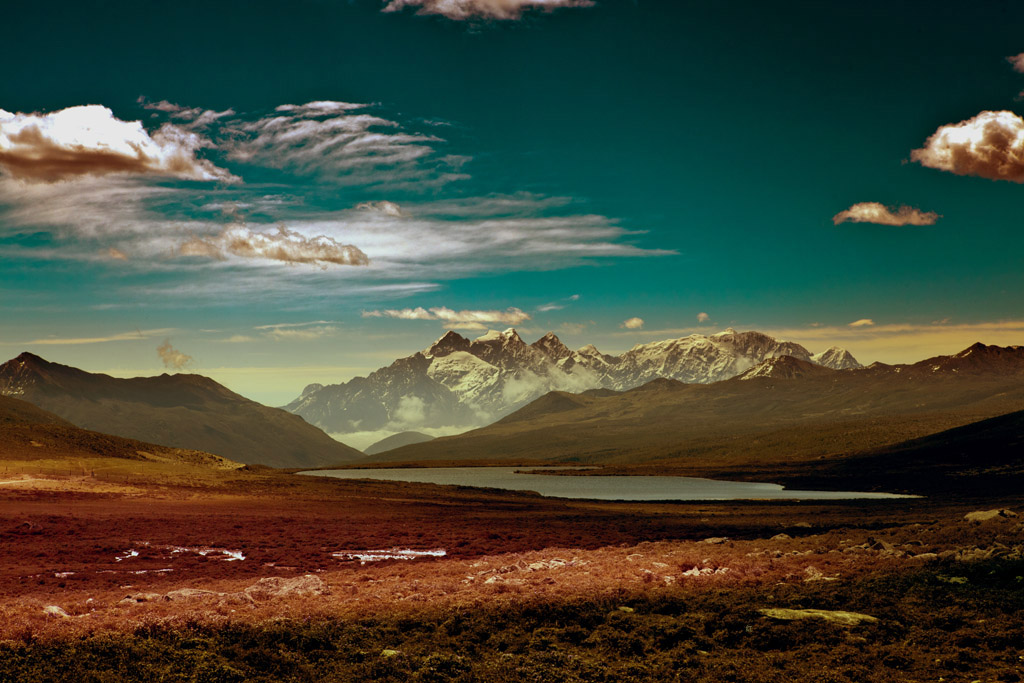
85, 546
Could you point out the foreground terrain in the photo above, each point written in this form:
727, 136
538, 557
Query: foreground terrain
239, 574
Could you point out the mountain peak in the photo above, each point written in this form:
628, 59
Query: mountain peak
450, 342
552, 346
836, 358
784, 367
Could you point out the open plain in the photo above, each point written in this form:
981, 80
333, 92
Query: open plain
195, 573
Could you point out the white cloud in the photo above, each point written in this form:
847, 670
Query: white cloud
703, 317
989, 145
122, 336
558, 305
873, 212
863, 322
463, 10
1017, 62
300, 333
633, 323
90, 140
340, 144
465, 319
385, 207
283, 245
172, 358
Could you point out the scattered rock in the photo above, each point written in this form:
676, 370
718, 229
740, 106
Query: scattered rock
276, 586
834, 616
781, 537
56, 612
190, 594
387, 652
623, 608
715, 540
136, 598
980, 516
815, 574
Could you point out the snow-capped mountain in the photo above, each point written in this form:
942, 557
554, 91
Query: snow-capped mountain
465, 383
837, 359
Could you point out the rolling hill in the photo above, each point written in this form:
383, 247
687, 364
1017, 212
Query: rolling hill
783, 410
29, 433
182, 411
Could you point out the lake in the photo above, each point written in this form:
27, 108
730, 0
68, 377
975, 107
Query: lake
625, 488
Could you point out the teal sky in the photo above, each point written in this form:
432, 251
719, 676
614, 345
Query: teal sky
564, 170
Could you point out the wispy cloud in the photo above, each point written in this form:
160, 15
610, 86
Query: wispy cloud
863, 322
90, 141
341, 143
557, 305
467, 10
989, 145
874, 212
465, 319
633, 324
135, 335
172, 358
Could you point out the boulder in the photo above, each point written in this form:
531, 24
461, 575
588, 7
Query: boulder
980, 516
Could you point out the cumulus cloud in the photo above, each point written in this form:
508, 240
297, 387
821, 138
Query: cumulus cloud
633, 323
463, 10
1017, 62
863, 322
172, 358
283, 245
703, 317
90, 141
873, 212
989, 145
465, 319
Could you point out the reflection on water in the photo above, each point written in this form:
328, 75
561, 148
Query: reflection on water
595, 487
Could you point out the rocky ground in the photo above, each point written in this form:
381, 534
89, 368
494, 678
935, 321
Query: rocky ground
290, 578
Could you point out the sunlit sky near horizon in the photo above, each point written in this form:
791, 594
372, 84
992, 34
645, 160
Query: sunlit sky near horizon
275, 194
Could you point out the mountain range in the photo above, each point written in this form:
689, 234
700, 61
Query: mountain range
784, 409
182, 411
465, 383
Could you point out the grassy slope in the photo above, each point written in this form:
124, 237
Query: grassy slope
184, 411
735, 422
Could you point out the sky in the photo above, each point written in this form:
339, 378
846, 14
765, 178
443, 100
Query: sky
274, 194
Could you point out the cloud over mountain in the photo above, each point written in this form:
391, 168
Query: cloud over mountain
989, 145
464, 320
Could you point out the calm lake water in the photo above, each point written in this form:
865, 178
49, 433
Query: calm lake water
596, 487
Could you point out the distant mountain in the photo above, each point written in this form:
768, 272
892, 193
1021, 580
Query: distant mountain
29, 433
783, 409
836, 358
396, 441
183, 411
462, 382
